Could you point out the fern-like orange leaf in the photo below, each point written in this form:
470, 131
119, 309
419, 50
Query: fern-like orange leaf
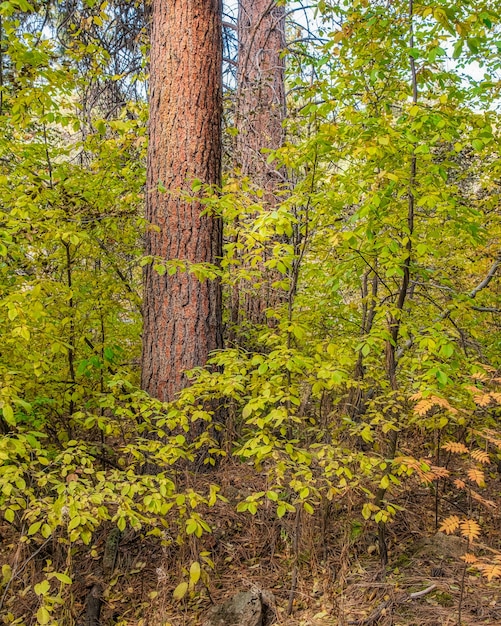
440, 472
491, 436
469, 558
423, 406
450, 524
490, 570
470, 529
476, 496
481, 456
482, 399
477, 476
479, 376
456, 447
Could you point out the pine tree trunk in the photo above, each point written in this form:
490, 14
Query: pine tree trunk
182, 316
260, 111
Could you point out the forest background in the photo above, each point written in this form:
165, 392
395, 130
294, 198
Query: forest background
343, 338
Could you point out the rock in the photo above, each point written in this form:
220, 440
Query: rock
243, 609
441, 546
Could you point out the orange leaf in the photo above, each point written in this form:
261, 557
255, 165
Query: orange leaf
440, 472
477, 476
483, 399
476, 496
496, 396
423, 406
450, 524
470, 529
479, 376
481, 456
490, 570
456, 447
469, 558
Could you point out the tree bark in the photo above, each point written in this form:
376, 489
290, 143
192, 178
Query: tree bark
182, 315
260, 112
261, 89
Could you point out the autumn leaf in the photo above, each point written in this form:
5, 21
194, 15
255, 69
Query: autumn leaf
180, 591
450, 524
476, 496
490, 570
456, 447
477, 476
483, 399
480, 456
479, 376
470, 529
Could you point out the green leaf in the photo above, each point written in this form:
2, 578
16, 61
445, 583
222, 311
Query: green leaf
8, 414
441, 377
63, 578
34, 528
191, 526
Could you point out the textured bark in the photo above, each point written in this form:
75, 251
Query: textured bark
182, 316
261, 89
260, 111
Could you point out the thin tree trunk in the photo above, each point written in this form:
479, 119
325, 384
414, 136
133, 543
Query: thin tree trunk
260, 112
261, 89
182, 315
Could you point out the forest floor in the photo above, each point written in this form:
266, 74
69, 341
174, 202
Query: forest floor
332, 556
339, 578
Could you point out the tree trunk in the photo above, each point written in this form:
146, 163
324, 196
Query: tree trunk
261, 89
182, 315
260, 111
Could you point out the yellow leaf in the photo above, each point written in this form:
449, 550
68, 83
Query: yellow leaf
43, 616
195, 572
8, 414
180, 591
6, 573
42, 588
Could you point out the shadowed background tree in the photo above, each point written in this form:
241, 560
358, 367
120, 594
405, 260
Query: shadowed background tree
259, 115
